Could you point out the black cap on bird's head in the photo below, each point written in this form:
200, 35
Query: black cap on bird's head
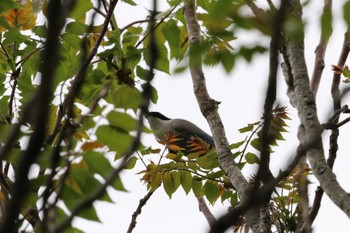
157, 115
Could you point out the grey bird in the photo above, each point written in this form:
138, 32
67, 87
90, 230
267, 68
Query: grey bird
179, 134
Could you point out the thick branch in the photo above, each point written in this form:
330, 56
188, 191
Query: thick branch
333, 139
310, 129
209, 108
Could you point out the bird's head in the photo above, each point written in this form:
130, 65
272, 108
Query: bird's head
156, 120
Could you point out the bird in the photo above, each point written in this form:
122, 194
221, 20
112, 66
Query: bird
180, 135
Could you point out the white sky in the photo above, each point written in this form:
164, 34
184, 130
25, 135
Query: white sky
242, 94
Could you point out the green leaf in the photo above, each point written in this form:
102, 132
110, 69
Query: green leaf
127, 97
122, 120
118, 184
81, 8
326, 24
256, 144
76, 28
162, 62
237, 145
72, 39
131, 163
8, 5
154, 97
346, 14
172, 35
97, 163
248, 128
130, 2
12, 35
251, 158
114, 138
212, 191
208, 162
197, 186
168, 184
186, 181
84, 179
177, 179
72, 198
155, 181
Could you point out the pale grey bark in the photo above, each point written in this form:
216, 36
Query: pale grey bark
209, 108
310, 129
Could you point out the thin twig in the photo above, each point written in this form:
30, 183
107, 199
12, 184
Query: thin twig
321, 48
156, 26
138, 211
133, 23
14, 77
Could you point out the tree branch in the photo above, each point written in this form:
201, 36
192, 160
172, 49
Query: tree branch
203, 207
333, 139
310, 129
138, 211
209, 108
326, 31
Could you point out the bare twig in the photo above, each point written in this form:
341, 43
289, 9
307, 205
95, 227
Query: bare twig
203, 207
14, 77
133, 23
321, 47
138, 211
156, 26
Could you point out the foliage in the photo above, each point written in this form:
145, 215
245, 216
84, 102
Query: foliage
98, 91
